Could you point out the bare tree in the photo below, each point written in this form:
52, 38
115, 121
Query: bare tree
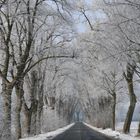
7, 20
19, 40
129, 79
124, 25
111, 84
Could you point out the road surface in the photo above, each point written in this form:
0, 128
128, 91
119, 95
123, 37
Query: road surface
81, 132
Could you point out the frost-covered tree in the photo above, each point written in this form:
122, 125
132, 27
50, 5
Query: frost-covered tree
23, 23
117, 35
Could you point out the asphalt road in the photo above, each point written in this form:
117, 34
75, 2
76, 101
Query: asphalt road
81, 132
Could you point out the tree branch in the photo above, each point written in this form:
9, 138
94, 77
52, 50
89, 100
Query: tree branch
45, 58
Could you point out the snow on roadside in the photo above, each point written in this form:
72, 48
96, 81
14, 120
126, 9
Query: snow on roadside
133, 130
49, 135
114, 134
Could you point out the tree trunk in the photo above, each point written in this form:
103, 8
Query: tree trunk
139, 129
114, 112
27, 123
38, 122
30, 118
126, 127
19, 93
33, 111
39, 116
7, 92
39, 107
34, 102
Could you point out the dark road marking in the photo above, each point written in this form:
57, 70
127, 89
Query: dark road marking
81, 132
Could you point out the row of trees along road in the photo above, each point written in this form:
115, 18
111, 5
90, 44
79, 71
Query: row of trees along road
28, 30
115, 40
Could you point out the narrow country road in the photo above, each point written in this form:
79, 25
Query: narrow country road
81, 132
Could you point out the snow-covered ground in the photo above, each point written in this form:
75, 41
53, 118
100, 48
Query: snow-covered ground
117, 134
133, 130
49, 135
